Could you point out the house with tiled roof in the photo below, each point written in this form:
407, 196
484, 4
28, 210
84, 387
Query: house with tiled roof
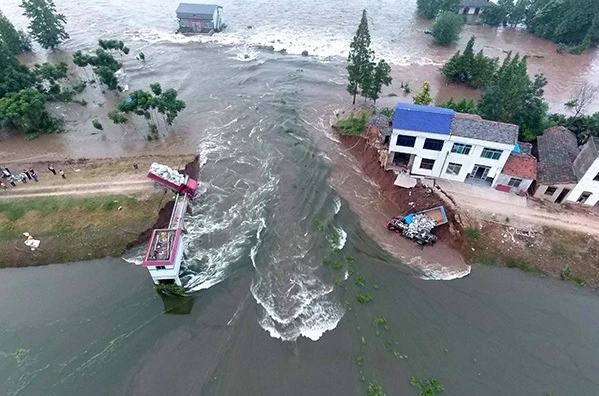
434, 142
519, 171
566, 172
557, 150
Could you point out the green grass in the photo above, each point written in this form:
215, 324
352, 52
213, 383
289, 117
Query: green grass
14, 210
560, 251
472, 233
352, 125
526, 267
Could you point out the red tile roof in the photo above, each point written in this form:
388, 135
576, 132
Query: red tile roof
522, 166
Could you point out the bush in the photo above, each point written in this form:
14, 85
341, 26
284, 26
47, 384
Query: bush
353, 126
472, 233
447, 28
97, 124
364, 298
375, 390
170, 289
427, 387
386, 111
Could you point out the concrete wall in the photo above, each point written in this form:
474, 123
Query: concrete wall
504, 179
445, 156
587, 184
541, 188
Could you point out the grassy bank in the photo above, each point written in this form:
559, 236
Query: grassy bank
74, 228
558, 253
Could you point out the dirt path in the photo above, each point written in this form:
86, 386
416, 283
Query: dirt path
493, 205
93, 188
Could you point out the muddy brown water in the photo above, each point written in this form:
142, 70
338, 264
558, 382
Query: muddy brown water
271, 171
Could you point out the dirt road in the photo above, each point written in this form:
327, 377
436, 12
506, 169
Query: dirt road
488, 204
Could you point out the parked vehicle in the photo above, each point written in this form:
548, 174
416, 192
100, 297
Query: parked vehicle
419, 226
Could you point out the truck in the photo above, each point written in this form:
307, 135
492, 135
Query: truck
181, 184
419, 226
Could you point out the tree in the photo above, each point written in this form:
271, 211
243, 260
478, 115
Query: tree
424, 96
26, 110
447, 28
118, 117
429, 9
15, 40
582, 96
475, 71
14, 76
463, 106
381, 76
46, 24
512, 97
494, 15
103, 65
360, 60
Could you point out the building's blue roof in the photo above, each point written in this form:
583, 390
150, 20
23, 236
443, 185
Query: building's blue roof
423, 118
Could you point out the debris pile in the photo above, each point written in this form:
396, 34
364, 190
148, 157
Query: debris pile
417, 227
167, 173
420, 223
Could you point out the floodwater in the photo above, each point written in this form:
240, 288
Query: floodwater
279, 198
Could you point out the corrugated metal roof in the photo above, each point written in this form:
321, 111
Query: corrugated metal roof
423, 118
490, 131
189, 8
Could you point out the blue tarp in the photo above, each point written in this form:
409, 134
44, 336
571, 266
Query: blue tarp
409, 218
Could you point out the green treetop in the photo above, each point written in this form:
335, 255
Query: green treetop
46, 24
15, 40
447, 28
429, 9
361, 64
424, 96
381, 76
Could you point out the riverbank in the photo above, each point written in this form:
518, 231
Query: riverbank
558, 252
102, 208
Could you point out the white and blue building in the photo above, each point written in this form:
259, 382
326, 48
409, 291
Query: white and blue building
434, 142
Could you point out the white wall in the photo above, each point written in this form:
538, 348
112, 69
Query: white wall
445, 156
586, 183
504, 179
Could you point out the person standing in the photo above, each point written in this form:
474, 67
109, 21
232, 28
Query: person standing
33, 174
135, 167
11, 180
51, 169
23, 178
61, 173
26, 172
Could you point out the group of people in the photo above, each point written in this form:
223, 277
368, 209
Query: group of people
27, 174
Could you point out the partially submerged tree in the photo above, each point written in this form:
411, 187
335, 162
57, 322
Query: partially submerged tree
103, 64
447, 28
26, 111
361, 60
429, 9
381, 76
424, 96
466, 68
17, 41
46, 24
582, 96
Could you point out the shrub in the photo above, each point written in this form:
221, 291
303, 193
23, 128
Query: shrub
353, 126
97, 124
364, 298
170, 289
427, 387
447, 28
378, 322
375, 390
472, 233
360, 281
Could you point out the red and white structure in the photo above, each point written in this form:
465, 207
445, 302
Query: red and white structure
165, 251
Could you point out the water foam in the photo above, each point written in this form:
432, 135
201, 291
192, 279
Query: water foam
437, 271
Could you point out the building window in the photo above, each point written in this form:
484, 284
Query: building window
596, 178
491, 153
550, 190
461, 148
514, 182
583, 197
453, 168
406, 141
433, 144
427, 164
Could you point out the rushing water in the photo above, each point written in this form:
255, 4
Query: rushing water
271, 212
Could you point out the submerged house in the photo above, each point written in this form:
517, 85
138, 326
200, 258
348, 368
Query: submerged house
200, 18
474, 7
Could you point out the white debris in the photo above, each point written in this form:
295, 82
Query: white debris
30, 242
167, 173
